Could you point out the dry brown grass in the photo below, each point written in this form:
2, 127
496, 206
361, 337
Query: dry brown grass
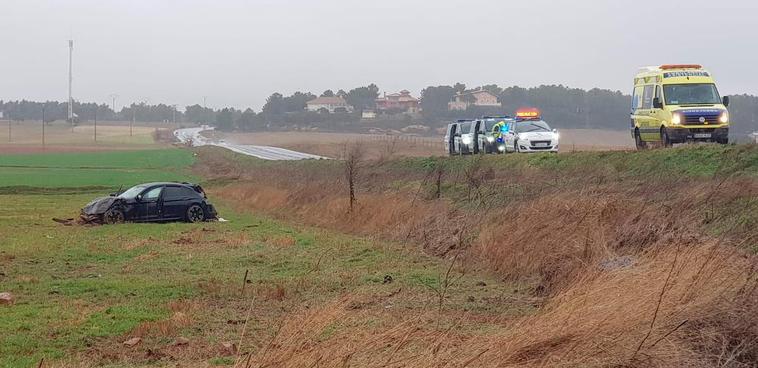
675, 306
647, 272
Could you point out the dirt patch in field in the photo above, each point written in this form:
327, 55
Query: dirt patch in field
209, 237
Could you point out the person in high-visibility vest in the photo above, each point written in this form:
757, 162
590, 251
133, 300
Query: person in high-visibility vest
499, 129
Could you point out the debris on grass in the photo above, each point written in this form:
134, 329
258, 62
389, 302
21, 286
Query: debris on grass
132, 342
6, 298
229, 348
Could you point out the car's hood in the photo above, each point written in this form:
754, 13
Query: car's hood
98, 206
537, 135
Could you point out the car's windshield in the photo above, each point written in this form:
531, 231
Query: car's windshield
132, 192
465, 127
532, 126
691, 94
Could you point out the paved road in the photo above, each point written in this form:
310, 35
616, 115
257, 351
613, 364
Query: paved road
263, 152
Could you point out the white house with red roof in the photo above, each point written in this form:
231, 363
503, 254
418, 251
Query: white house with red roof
478, 97
330, 104
402, 101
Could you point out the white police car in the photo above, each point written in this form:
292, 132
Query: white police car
529, 133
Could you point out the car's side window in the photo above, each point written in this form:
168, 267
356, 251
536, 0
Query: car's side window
189, 193
152, 194
173, 193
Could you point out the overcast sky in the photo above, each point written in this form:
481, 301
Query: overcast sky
239, 52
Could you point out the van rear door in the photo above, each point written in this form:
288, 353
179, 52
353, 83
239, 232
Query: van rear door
449, 138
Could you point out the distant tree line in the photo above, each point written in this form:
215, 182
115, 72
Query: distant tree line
562, 106
54, 110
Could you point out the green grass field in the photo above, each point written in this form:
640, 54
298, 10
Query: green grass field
80, 292
94, 169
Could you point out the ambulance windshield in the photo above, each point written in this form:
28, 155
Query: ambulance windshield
691, 94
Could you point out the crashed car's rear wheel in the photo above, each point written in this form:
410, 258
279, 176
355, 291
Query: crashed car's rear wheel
113, 216
195, 214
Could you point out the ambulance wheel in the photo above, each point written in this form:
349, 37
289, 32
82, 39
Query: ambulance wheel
665, 140
638, 142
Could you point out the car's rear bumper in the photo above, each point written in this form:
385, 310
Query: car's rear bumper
210, 212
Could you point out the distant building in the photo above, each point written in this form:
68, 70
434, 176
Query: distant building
329, 104
368, 115
479, 97
402, 101
754, 135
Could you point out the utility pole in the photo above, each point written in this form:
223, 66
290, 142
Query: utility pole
113, 97
174, 106
43, 127
205, 110
9, 126
70, 80
131, 123
95, 125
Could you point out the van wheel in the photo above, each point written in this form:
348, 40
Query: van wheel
665, 140
638, 142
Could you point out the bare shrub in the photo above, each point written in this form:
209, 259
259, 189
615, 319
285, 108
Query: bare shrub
352, 159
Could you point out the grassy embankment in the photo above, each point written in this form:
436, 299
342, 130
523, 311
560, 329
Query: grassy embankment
645, 258
80, 292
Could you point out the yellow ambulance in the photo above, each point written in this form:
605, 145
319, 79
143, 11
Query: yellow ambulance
677, 104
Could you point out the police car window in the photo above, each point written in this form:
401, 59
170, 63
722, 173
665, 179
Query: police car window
489, 124
465, 127
152, 193
647, 97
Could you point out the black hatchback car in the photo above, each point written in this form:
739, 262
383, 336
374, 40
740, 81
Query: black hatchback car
152, 202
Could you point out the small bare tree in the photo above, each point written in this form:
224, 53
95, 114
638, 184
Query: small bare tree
353, 156
388, 148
